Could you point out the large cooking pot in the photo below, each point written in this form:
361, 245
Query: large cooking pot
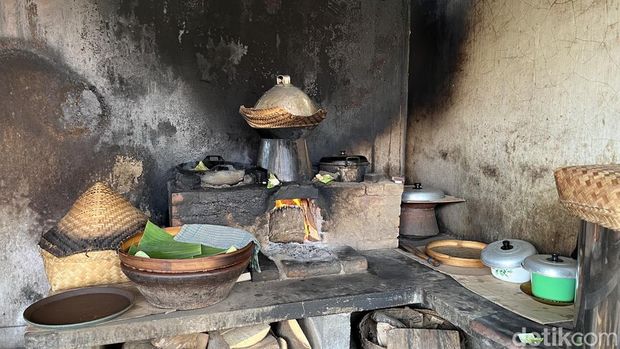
417, 215
350, 168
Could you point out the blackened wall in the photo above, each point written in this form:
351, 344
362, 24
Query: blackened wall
512, 91
123, 90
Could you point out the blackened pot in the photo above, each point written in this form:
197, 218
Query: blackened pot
185, 290
350, 168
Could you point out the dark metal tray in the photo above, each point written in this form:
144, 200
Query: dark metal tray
79, 307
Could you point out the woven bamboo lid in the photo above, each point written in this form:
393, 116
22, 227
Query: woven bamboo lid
98, 220
278, 117
591, 193
283, 106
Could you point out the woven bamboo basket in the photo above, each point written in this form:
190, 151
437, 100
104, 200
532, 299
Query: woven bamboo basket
279, 118
591, 193
81, 249
82, 269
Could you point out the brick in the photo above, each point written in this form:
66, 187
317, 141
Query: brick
351, 260
391, 188
374, 189
301, 270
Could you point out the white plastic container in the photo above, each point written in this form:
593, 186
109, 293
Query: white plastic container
505, 257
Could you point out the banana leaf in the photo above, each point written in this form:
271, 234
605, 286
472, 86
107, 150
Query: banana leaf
207, 251
133, 249
157, 243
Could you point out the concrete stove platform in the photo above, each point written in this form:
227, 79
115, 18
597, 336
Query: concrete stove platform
346, 261
392, 280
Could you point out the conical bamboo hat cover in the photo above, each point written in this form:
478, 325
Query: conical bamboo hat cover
98, 220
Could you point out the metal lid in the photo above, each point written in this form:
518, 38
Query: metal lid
344, 160
287, 96
507, 253
415, 193
551, 265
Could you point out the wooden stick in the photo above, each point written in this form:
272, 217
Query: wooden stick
410, 247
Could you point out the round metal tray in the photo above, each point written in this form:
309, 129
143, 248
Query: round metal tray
78, 308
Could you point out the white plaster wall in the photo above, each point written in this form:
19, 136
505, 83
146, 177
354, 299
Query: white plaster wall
536, 88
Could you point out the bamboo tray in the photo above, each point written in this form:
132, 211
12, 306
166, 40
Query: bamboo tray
459, 253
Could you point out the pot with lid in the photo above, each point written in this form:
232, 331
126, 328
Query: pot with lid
504, 257
350, 168
283, 116
417, 215
553, 276
283, 112
416, 193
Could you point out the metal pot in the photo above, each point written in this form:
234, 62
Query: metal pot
288, 96
350, 168
553, 276
415, 194
225, 174
504, 257
288, 159
417, 215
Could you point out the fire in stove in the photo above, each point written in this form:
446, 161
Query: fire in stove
295, 220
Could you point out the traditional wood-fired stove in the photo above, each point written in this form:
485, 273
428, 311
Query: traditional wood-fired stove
306, 227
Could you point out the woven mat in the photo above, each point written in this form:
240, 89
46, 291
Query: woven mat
505, 294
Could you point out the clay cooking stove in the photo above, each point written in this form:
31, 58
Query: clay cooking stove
305, 227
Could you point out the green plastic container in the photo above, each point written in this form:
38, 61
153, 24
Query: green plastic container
551, 288
553, 276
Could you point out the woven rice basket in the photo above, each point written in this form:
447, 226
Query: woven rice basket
279, 118
82, 269
81, 249
591, 193
98, 220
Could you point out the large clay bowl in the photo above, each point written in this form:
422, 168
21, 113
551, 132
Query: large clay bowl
185, 290
189, 265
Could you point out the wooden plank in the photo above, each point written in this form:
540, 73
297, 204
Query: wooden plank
418, 338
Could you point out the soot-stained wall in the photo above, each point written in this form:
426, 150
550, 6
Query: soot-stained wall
121, 91
510, 91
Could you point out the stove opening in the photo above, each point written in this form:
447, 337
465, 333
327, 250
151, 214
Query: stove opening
295, 220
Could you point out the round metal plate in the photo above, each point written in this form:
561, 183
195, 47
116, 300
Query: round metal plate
79, 307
